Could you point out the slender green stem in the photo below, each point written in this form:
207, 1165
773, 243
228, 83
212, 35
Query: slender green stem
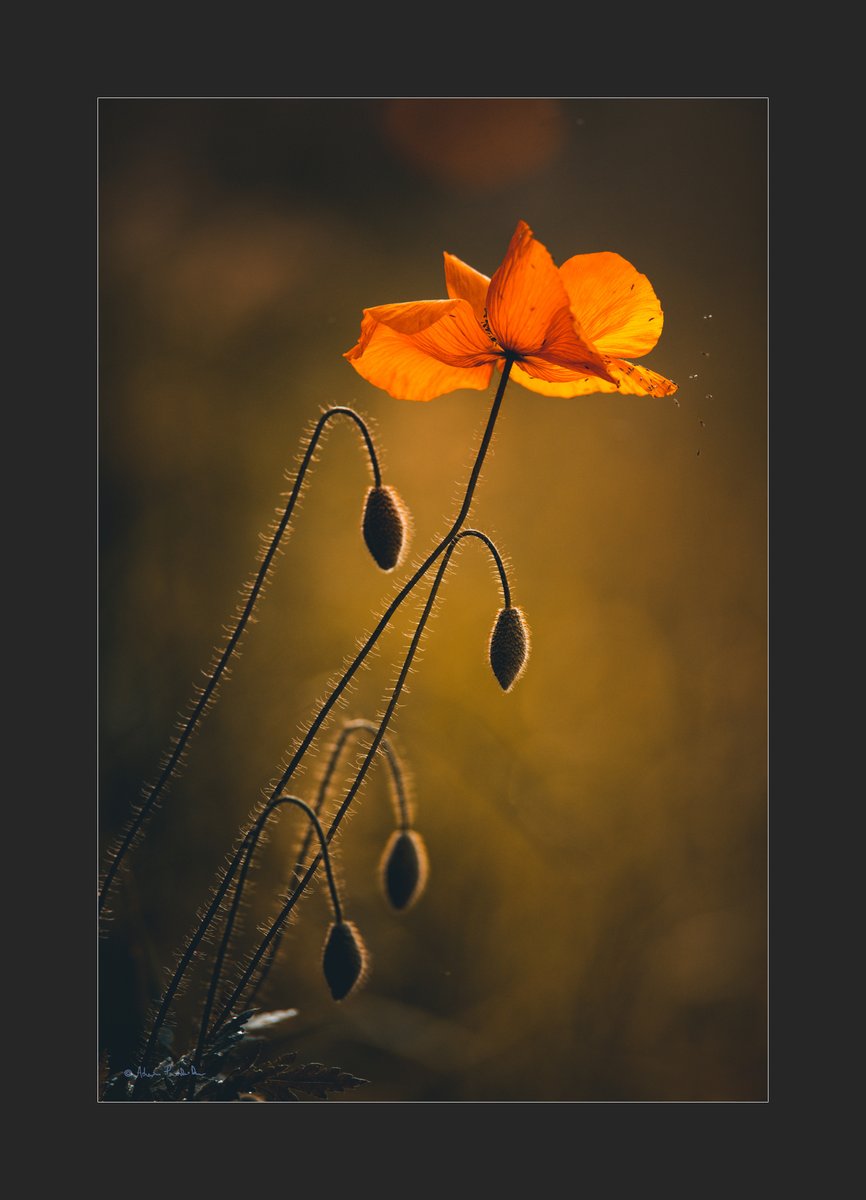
143, 810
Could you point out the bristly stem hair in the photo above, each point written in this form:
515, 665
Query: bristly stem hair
401, 805
252, 838
381, 729
408, 587
250, 844
395, 769
206, 693
401, 808
446, 546
382, 625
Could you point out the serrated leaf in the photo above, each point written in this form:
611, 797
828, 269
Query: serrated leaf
242, 1054
319, 1080
236, 1022
211, 1089
276, 1090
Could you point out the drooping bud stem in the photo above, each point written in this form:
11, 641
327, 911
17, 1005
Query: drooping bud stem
345, 958
323, 842
201, 701
243, 857
444, 548
399, 799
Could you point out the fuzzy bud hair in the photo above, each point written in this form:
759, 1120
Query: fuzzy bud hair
386, 526
404, 868
345, 959
509, 647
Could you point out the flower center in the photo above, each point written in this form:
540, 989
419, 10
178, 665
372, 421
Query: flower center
485, 325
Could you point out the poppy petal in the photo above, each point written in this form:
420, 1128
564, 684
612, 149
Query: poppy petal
411, 317
565, 348
444, 329
526, 295
616, 306
639, 381
630, 381
394, 362
457, 339
465, 283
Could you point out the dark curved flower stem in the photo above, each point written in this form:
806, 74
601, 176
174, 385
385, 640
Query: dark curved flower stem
385, 619
323, 712
400, 800
146, 806
401, 807
357, 725
251, 843
359, 778
252, 838
497, 558
404, 818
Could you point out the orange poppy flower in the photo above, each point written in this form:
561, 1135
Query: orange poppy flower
567, 330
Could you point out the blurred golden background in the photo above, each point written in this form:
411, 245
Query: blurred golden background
594, 926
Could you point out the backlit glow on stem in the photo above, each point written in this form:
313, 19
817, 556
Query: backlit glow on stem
445, 546
275, 928
216, 672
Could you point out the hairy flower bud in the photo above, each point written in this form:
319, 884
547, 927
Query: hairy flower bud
509, 647
385, 525
404, 868
345, 959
